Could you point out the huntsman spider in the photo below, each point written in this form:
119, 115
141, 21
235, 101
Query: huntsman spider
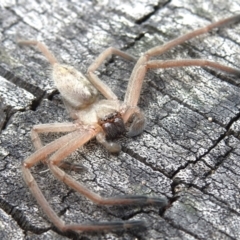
103, 119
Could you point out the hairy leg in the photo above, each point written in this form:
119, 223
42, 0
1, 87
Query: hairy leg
58, 128
139, 71
97, 83
191, 62
50, 128
66, 147
41, 47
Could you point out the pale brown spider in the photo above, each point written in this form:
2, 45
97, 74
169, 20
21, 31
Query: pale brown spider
104, 119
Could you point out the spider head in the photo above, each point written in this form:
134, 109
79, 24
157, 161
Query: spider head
112, 125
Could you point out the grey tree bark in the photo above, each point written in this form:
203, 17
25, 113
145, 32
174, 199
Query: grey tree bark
189, 151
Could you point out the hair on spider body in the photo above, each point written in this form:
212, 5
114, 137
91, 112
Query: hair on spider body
74, 87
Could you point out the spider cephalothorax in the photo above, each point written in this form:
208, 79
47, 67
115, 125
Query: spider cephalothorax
103, 119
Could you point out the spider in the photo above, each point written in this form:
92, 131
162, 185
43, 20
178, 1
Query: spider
104, 119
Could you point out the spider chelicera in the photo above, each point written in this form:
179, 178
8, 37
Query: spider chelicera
104, 119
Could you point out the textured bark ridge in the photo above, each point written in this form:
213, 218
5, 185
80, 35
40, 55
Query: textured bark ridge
189, 151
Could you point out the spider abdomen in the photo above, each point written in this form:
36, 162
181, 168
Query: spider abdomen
74, 87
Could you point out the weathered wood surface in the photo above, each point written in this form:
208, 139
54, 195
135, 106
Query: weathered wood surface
181, 153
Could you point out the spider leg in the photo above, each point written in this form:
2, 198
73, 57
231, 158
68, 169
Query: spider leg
93, 78
48, 149
139, 71
50, 127
191, 62
58, 128
173, 43
59, 223
118, 200
41, 47
70, 142
75, 143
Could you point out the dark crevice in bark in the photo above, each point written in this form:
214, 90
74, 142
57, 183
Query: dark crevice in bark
52, 95
231, 122
155, 9
36, 91
131, 44
185, 104
4, 115
136, 156
232, 79
19, 217
200, 157
173, 224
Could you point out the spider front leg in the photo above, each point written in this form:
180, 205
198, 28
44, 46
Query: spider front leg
140, 69
30, 181
143, 64
42, 153
191, 62
138, 74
